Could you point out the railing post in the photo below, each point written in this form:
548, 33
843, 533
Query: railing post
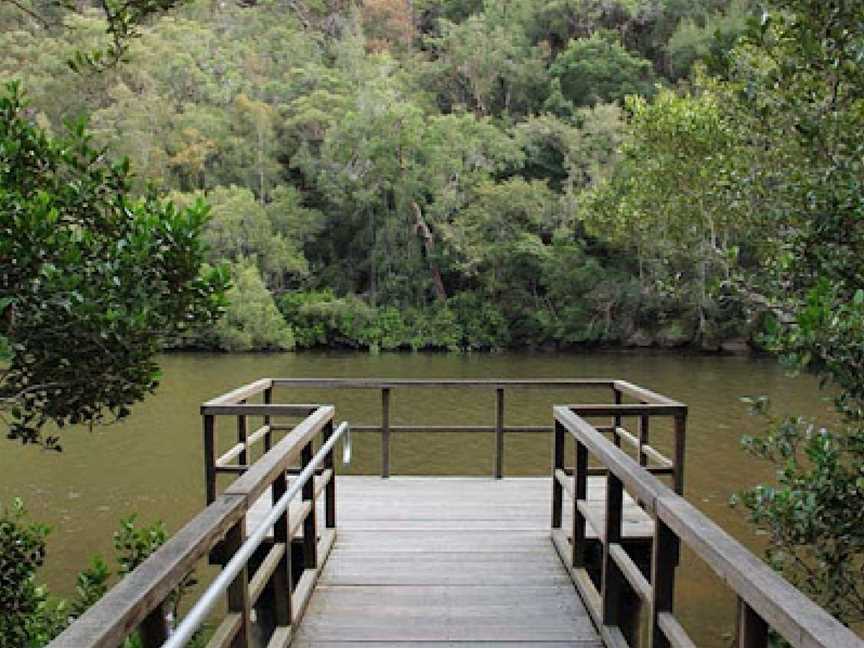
310, 527
282, 586
752, 631
644, 438
664, 558
580, 492
557, 464
209, 458
613, 580
153, 631
385, 432
499, 433
680, 441
243, 459
330, 489
268, 437
616, 420
238, 591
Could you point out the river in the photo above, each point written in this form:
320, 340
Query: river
151, 463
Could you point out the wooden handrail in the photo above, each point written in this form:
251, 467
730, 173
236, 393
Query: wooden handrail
138, 601
765, 598
234, 404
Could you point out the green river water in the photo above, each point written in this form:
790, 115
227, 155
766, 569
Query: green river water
151, 464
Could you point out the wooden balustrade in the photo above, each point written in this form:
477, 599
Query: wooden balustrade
136, 603
765, 599
228, 405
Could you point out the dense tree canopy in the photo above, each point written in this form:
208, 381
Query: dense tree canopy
373, 152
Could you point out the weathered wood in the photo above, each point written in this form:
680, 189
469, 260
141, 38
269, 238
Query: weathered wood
153, 631
612, 579
784, 608
631, 572
282, 577
557, 464
330, 480
499, 433
238, 449
259, 409
644, 440
664, 558
380, 383
624, 409
455, 429
241, 393
265, 571
128, 603
579, 493
239, 601
680, 445
673, 632
226, 631
640, 483
310, 529
385, 432
646, 395
448, 585
259, 477
242, 439
209, 459
751, 630
268, 436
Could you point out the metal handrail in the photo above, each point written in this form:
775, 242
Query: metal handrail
205, 604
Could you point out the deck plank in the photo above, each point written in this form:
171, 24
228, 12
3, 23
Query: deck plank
444, 562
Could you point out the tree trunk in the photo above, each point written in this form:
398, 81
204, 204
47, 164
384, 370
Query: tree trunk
425, 234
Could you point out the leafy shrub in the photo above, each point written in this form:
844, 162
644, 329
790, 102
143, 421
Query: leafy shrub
29, 616
251, 322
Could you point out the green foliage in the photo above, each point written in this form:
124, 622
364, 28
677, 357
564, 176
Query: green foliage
599, 70
320, 319
28, 618
709, 40
94, 281
813, 515
251, 322
805, 174
365, 150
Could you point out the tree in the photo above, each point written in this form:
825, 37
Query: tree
252, 322
798, 89
93, 280
599, 70
668, 199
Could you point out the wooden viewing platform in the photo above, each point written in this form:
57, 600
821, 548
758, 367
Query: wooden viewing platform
584, 557
435, 562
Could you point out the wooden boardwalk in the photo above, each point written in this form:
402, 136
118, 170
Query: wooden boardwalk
455, 562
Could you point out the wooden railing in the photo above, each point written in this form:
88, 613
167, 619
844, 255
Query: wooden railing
765, 600
234, 404
137, 603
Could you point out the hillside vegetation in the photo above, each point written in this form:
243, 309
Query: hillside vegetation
436, 174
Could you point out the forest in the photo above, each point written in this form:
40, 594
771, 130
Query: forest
431, 174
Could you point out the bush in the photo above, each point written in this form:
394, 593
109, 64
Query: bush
252, 322
29, 616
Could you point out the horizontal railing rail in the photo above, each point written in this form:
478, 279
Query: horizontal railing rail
765, 599
137, 603
234, 403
